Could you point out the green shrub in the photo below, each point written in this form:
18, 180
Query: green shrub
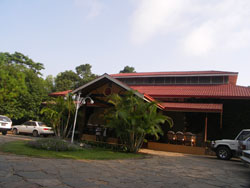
105, 145
53, 145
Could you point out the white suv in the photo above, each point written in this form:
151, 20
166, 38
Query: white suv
226, 148
5, 124
35, 128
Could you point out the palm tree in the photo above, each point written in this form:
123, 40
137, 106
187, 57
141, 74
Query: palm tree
133, 118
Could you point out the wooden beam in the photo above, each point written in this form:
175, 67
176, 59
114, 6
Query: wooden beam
205, 136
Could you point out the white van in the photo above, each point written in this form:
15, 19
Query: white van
5, 124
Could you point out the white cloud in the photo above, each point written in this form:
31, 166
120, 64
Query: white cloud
94, 7
203, 27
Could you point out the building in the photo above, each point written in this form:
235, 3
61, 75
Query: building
209, 104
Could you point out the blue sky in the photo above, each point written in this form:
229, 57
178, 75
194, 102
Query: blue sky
150, 35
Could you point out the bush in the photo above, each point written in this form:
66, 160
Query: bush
105, 145
53, 145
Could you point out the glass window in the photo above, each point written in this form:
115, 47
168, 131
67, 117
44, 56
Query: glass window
181, 80
244, 135
204, 80
225, 79
5, 119
28, 123
217, 79
138, 80
41, 124
151, 80
32, 123
168, 80
159, 80
192, 80
129, 80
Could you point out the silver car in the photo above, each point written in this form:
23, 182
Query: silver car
5, 124
35, 128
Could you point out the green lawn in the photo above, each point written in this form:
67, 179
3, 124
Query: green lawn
20, 148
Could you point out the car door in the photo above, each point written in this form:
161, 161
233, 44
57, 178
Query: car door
22, 128
31, 126
25, 127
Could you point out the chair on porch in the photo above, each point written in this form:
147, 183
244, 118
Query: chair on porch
189, 138
180, 137
171, 137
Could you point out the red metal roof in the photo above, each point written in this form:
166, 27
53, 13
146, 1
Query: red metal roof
202, 91
182, 73
153, 100
193, 107
60, 93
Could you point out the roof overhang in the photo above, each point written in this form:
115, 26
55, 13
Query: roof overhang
193, 107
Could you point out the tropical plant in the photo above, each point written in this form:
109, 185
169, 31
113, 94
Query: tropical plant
133, 119
58, 113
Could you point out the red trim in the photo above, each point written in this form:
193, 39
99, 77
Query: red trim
60, 93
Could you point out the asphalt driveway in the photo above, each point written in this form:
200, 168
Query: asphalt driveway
159, 169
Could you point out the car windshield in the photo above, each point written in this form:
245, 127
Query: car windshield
41, 124
5, 119
244, 135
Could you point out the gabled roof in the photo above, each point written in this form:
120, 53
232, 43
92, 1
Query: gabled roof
181, 73
200, 91
101, 80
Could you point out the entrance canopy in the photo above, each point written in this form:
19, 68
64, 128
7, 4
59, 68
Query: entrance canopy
193, 107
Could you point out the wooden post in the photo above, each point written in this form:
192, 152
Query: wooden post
221, 115
205, 136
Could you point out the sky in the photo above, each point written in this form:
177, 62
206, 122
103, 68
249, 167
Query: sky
150, 35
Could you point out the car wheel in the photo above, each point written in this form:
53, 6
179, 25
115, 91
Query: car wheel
15, 132
223, 153
4, 132
35, 133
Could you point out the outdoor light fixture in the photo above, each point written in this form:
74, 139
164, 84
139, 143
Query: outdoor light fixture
79, 101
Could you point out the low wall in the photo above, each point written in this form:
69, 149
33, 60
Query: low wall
176, 148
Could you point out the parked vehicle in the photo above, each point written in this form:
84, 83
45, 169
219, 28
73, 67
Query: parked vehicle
244, 145
5, 124
246, 157
35, 128
226, 149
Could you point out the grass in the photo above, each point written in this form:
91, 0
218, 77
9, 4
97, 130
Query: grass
21, 148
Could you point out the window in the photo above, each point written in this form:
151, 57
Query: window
204, 80
159, 80
192, 80
244, 135
181, 80
217, 79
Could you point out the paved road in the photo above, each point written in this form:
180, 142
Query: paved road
160, 169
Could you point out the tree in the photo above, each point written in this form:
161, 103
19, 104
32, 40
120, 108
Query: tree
85, 74
21, 87
128, 69
67, 80
133, 118
49, 84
